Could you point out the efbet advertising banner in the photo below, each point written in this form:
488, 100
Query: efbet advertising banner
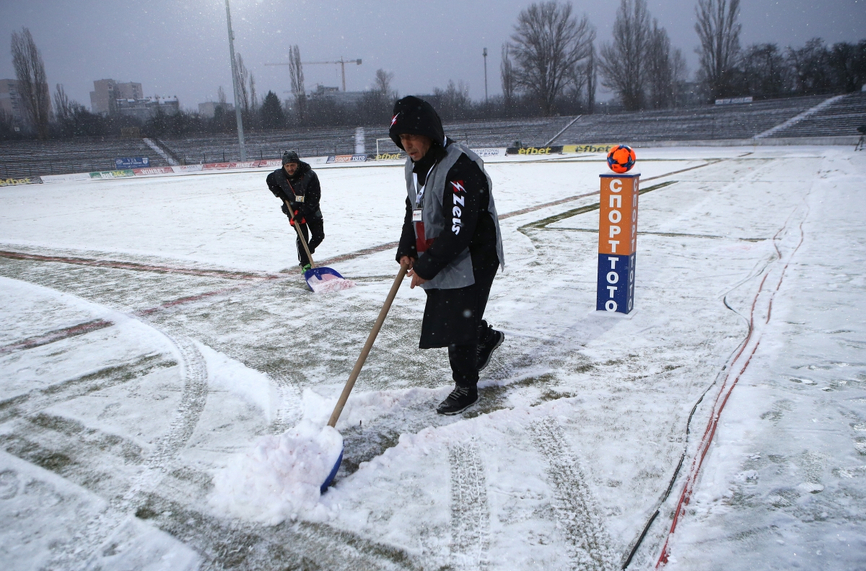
617, 242
20, 181
533, 150
586, 148
558, 150
389, 156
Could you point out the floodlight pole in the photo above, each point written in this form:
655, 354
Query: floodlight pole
238, 115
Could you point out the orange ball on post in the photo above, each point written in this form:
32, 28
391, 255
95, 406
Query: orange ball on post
620, 159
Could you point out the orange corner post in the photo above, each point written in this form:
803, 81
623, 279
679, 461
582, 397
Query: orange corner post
617, 242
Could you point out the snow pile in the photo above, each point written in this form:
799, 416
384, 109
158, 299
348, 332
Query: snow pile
280, 477
324, 283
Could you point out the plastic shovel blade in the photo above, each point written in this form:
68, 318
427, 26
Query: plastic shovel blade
330, 479
323, 279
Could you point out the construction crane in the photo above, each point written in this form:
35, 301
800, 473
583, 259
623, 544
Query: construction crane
340, 61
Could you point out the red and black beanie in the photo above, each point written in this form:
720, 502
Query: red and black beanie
414, 116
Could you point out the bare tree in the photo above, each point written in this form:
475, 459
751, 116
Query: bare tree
221, 97
70, 116
580, 93
243, 89
548, 43
591, 81
811, 67
7, 126
377, 101
848, 65
254, 100
32, 82
382, 84
506, 72
296, 74
452, 102
62, 105
659, 72
719, 34
765, 72
679, 76
622, 63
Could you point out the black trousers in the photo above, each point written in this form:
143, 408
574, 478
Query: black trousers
316, 227
463, 358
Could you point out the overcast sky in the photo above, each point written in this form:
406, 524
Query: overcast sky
180, 48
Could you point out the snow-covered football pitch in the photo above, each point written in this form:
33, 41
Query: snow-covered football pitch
156, 336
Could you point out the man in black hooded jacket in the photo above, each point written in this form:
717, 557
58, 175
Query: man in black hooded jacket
296, 183
451, 244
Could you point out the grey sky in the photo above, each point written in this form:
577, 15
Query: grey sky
181, 48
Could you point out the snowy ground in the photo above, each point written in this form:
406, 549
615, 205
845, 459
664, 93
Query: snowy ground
153, 332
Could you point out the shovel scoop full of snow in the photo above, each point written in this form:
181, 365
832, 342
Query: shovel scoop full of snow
323, 280
282, 476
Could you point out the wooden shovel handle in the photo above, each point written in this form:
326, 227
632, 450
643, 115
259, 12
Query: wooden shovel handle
300, 234
367, 346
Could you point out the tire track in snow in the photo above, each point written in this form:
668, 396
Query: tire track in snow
578, 519
470, 515
83, 549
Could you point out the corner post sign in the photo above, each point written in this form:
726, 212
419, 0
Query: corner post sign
617, 242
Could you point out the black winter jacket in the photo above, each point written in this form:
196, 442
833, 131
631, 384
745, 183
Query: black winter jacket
304, 185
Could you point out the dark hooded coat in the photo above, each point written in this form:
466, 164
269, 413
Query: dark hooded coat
451, 316
304, 184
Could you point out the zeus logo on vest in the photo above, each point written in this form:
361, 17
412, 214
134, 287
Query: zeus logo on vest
459, 204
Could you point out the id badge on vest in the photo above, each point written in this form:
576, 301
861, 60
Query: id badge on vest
418, 221
299, 198
421, 241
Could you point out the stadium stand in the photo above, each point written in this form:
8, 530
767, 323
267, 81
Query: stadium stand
715, 122
29, 158
790, 118
841, 118
262, 145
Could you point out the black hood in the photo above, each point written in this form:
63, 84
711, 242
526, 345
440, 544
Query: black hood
414, 116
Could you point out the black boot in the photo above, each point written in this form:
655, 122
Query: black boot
459, 400
488, 340
465, 374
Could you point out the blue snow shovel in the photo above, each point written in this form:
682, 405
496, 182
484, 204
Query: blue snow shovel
359, 364
318, 278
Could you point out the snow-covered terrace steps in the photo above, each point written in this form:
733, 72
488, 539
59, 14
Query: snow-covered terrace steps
21, 159
841, 118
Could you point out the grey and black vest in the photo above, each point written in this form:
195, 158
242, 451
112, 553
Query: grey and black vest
458, 273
